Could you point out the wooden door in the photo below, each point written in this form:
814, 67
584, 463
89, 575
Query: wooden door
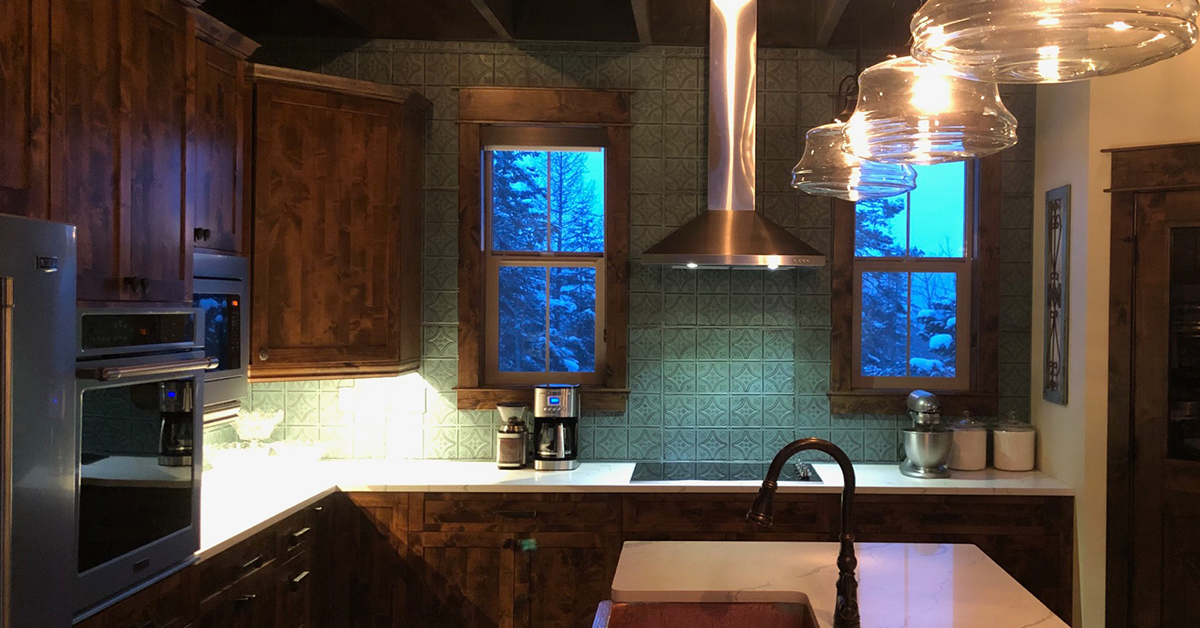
561, 578
118, 120
85, 133
465, 580
1166, 411
326, 230
155, 82
215, 185
24, 106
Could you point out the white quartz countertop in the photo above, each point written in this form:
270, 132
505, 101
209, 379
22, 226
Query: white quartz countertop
237, 501
901, 585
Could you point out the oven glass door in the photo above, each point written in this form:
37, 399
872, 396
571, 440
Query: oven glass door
136, 471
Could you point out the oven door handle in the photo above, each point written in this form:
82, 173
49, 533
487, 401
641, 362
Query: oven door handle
110, 373
6, 435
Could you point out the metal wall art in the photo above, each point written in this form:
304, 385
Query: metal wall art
1054, 322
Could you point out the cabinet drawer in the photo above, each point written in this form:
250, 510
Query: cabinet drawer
516, 512
726, 513
250, 603
165, 604
956, 514
293, 592
295, 535
236, 563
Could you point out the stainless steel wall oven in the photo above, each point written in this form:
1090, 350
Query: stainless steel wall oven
140, 393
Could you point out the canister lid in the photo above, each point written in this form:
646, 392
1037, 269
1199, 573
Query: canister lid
1010, 425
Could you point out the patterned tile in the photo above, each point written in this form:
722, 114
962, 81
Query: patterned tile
747, 377
745, 343
711, 343
646, 72
609, 443
679, 377
712, 377
712, 411
679, 444
679, 410
850, 440
779, 377
881, 445
745, 411
682, 73
579, 71
812, 378
441, 442
679, 309
746, 445
714, 310
613, 71
645, 376
645, 444
779, 344
645, 409
477, 69
747, 309
645, 343
302, 409
712, 443
679, 343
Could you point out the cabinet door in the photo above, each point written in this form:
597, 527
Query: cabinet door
294, 593
562, 577
326, 228
119, 90
24, 107
85, 122
215, 165
466, 580
157, 70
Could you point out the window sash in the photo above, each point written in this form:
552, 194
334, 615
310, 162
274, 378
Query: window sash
492, 350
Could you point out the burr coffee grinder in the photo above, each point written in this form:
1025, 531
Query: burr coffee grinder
927, 442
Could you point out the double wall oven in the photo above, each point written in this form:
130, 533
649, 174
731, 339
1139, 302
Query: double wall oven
140, 394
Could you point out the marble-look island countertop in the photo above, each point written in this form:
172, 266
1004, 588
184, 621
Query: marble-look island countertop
901, 585
240, 499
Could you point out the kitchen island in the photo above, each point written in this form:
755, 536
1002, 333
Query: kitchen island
901, 585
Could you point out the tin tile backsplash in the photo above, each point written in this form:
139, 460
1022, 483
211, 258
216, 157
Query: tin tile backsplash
725, 365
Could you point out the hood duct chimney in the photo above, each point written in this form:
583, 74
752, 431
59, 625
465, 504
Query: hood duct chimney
731, 233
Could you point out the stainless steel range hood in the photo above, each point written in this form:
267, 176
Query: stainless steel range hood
731, 233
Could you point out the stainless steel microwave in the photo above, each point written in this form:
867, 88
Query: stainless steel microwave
221, 288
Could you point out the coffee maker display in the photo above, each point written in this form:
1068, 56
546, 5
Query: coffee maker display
927, 442
556, 427
512, 437
176, 436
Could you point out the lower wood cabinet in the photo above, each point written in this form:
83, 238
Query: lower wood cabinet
530, 560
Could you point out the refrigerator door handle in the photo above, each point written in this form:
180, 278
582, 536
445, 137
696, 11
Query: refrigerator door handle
6, 455
110, 373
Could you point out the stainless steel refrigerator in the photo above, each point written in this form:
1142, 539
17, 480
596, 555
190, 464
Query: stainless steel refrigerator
38, 435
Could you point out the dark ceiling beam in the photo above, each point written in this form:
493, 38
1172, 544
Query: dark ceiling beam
499, 15
829, 14
641, 15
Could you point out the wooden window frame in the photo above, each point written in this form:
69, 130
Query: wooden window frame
847, 392
547, 117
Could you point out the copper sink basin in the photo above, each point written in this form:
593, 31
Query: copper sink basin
704, 615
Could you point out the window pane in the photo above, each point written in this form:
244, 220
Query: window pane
519, 200
573, 320
884, 324
880, 227
934, 321
937, 211
577, 201
522, 318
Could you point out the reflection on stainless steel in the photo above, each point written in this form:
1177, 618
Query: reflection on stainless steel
731, 233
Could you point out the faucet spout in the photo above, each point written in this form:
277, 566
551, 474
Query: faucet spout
846, 612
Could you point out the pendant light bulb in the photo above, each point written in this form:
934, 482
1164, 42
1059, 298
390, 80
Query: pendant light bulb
1050, 41
826, 169
914, 113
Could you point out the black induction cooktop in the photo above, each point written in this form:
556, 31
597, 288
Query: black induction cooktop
720, 472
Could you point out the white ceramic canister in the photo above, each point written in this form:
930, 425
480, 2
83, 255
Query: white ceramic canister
968, 450
1015, 444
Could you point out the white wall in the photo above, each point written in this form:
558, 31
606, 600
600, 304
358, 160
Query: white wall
1154, 105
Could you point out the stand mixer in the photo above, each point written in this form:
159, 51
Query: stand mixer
927, 442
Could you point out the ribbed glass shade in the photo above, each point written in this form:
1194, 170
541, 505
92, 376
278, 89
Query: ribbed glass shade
911, 112
826, 169
1051, 41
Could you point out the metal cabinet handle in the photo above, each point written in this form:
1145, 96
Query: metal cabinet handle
263, 353
197, 234
298, 536
6, 456
246, 599
517, 514
295, 584
254, 563
162, 368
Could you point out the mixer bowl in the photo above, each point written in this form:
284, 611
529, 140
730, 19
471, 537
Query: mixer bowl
927, 449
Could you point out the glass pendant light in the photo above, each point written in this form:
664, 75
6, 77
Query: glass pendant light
826, 169
1050, 41
915, 113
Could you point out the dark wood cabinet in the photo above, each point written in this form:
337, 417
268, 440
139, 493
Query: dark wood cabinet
120, 76
560, 578
337, 206
24, 106
466, 579
218, 146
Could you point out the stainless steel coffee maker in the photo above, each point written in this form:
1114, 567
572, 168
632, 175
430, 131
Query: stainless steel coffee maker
927, 442
556, 427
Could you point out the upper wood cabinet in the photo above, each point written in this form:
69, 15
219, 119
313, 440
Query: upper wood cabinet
337, 226
217, 151
120, 75
24, 106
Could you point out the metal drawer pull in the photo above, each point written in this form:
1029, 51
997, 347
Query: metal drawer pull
246, 599
517, 514
298, 536
295, 585
163, 368
254, 563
